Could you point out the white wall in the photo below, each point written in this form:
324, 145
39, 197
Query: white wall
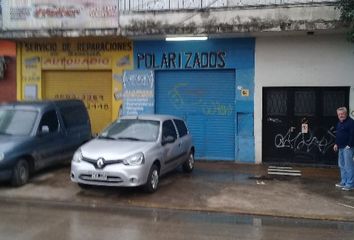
157, 5
319, 60
230, 20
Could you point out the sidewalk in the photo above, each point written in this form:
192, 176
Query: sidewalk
213, 186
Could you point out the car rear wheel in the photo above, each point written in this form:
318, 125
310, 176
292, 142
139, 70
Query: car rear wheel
20, 173
153, 180
188, 165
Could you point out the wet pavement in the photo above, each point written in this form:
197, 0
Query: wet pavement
37, 221
213, 187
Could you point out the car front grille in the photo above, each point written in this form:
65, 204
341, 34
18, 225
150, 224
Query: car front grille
107, 162
109, 179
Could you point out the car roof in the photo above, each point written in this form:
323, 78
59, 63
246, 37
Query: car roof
34, 105
156, 117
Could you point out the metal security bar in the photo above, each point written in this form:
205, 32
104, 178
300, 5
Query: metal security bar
165, 5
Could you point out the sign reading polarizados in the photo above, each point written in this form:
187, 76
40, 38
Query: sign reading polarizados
138, 92
61, 14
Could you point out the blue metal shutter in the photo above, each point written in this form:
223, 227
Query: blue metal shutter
206, 100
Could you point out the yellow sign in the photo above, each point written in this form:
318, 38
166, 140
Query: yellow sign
40, 59
53, 63
76, 63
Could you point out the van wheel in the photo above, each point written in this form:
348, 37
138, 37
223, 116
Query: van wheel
153, 180
20, 173
188, 165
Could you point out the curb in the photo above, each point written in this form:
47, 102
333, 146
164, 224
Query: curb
125, 207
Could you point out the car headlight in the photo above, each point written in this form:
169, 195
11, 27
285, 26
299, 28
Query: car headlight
136, 159
77, 156
2, 156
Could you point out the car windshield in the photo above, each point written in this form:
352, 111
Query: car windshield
16, 122
133, 130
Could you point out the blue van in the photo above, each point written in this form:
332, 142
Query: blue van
35, 135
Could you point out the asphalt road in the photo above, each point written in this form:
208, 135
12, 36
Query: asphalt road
21, 220
212, 187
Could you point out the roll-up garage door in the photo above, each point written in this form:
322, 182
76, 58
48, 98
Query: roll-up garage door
206, 100
93, 87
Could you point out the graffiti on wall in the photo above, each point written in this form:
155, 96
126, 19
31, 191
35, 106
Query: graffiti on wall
305, 142
181, 90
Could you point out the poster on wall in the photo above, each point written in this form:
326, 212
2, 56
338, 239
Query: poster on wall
138, 92
69, 14
30, 92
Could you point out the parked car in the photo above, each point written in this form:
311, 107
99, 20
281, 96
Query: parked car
35, 135
134, 151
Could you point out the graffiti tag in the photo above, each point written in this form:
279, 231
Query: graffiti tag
305, 141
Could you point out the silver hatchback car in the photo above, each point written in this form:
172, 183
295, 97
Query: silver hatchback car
134, 151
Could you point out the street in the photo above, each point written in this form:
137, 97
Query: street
212, 187
51, 221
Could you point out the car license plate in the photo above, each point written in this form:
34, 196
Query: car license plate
99, 176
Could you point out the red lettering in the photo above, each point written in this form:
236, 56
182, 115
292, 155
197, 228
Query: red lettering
93, 61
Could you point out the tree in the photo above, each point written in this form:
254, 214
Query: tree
346, 8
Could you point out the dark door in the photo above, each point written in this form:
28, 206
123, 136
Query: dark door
49, 144
299, 124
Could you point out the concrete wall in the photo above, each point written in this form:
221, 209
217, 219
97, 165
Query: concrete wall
246, 20
235, 18
319, 60
165, 5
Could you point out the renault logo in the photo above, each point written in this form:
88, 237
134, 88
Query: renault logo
100, 162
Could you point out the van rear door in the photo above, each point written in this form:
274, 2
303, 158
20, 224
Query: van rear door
76, 124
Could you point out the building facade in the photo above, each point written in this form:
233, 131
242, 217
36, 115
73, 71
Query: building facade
300, 81
263, 87
209, 84
76, 68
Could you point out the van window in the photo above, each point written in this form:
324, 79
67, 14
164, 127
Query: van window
17, 122
73, 116
50, 119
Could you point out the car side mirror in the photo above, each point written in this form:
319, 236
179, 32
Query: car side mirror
168, 139
44, 130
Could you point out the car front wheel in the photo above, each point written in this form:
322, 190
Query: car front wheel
188, 165
20, 173
153, 180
